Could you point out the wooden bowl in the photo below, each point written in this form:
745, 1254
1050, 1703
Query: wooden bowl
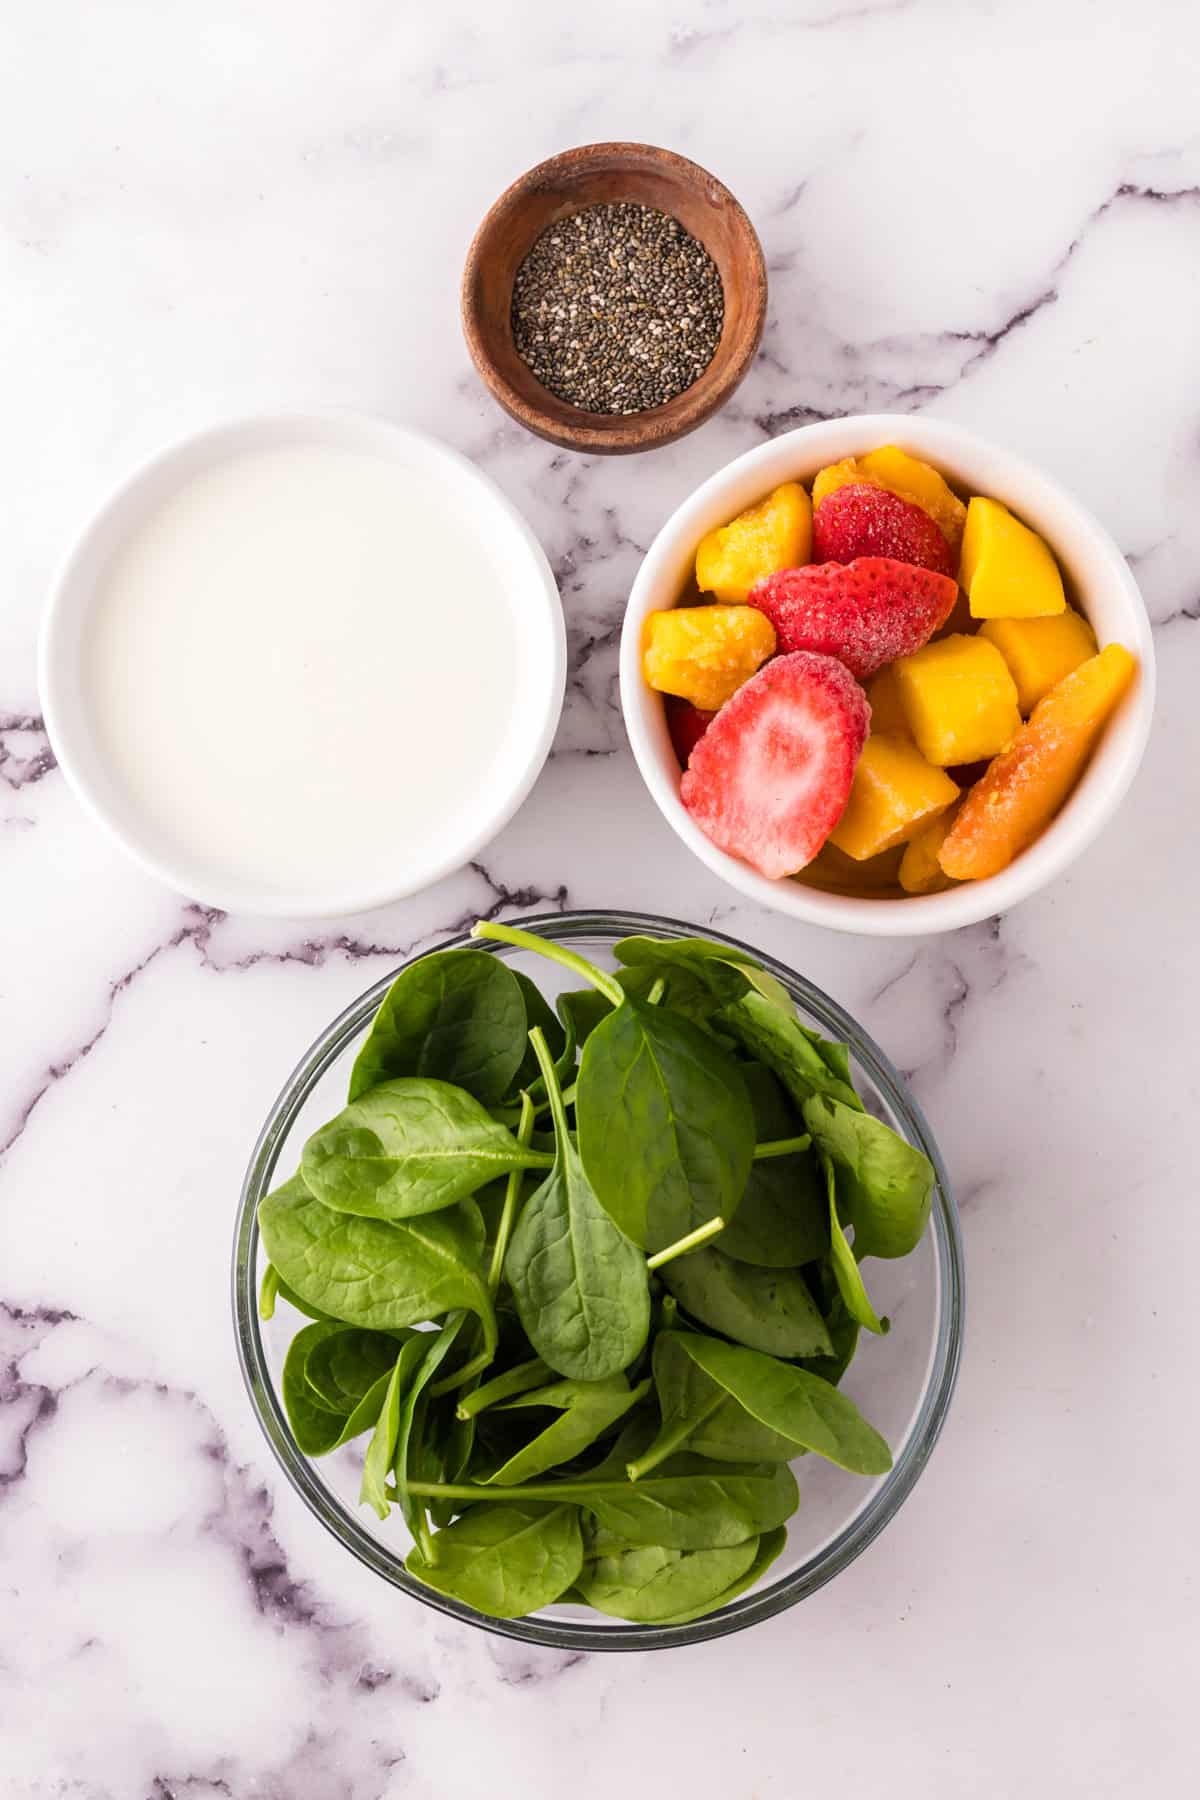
587, 176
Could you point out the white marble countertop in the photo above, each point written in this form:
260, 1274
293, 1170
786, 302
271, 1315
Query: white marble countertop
987, 212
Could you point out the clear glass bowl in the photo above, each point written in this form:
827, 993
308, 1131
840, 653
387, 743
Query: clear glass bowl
902, 1382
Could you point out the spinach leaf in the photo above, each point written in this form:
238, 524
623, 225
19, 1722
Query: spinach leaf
781, 1221
791, 1401
846, 1271
382, 1447
507, 1560
369, 1273
769, 1546
650, 1584
408, 1147
804, 1061
885, 1185
666, 1131
539, 1012
588, 1409
770, 1309
410, 1452
579, 1285
343, 1364
724, 971
455, 1015
698, 1411
581, 1010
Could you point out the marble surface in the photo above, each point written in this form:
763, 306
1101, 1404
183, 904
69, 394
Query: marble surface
989, 212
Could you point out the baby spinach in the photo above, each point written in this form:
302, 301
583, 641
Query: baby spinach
505, 1560
885, 1185
666, 1131
791, 1401
539, 1012
844, 1265
318, 1425
346, 1362
408, 1147
804, 1061
382, 1447
455, 1015
769, 1309
769, 1546
782, 1220
650, 1584
409, 1449
366, 1272
579, 1285
588, 1409
724, 971
699, 1412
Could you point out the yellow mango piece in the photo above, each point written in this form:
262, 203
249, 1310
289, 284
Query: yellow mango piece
1007, 569
920, 870
894, 792
1028, 782
887, 706
775, 534
902, 474
959, 699
833, 872
705, 653
919, 482
1039, 652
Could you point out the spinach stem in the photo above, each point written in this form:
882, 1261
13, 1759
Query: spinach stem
554, 1093
608, 985
460, 1377
528, 1490
670, 1438
657, 990
512, 1197
268, 1291
692, 1241
520, 1380
781, 1147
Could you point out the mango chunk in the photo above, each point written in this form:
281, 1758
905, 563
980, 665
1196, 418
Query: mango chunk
1029, 781
959, 699
920, 870
1007, 569
895, 792
887, 706
1039, 652
834, 872
902, 474
775, 534
705, 653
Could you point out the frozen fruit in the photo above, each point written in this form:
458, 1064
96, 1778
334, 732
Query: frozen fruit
1029, 781
862, 520
866, 613
960, 700
887, 708
920, 870
769, 779
1039, 652
834, 872
704, 653
894, 469
775, 534
687, 724
895, 791
1007, 569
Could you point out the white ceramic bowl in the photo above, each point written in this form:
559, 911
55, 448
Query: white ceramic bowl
524, 581
1100, 584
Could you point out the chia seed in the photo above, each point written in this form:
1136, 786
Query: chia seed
617, 308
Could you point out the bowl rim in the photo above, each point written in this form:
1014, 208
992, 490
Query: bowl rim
820, 1568
599, 434
541, 613
1088, 809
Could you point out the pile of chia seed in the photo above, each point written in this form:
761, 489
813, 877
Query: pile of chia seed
617, 308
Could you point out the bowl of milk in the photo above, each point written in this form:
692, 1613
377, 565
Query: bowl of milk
304, 665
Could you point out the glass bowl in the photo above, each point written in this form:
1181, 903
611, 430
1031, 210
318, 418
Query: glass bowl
902, 1382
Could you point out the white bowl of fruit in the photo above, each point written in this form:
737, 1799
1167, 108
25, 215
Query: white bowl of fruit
886, 677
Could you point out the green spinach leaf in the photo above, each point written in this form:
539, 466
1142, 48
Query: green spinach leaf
382, 1447
455, 1015
507, 1560
769, 1546
781, 1221
588, 1409
650, 1584
804, 1061
770, 1309
699, 1412
666, 1130
846, 1271
885, 1185
409, 1147
539, 1012
579, 1285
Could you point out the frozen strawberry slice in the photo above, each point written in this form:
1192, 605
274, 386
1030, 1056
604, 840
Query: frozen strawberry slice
866, 613
770, 778
858, 520
687, 724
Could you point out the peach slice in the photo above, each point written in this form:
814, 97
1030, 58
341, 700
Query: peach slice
1029, 780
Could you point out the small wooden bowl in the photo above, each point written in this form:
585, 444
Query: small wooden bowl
587, 176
